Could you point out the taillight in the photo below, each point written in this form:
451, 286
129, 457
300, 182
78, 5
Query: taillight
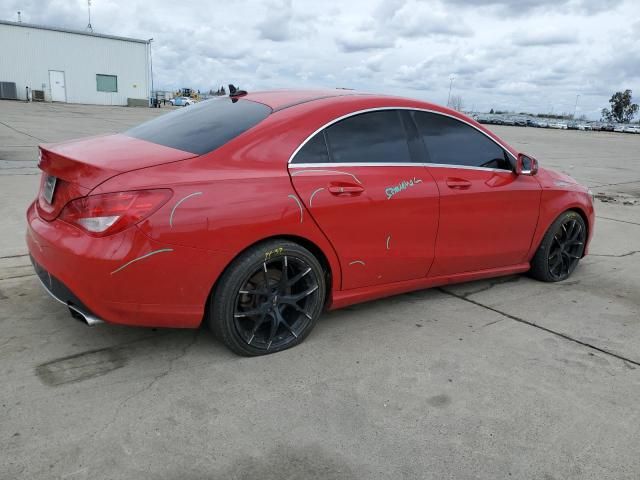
108, 213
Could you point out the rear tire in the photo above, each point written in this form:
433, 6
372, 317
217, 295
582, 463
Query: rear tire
561, 248
269, 298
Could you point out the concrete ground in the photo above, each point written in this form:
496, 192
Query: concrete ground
508, 378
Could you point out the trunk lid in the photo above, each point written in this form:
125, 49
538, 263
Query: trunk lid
81, 165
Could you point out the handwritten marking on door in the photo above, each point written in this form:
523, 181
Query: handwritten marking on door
403, 185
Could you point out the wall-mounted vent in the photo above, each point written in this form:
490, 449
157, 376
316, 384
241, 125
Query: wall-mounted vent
37, 95
8, 91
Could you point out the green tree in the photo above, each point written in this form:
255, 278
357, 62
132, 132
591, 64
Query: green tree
622, 110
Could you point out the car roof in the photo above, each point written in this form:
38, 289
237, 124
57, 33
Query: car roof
281, 99
335, 102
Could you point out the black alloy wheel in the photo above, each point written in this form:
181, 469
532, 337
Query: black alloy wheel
566, 248
276, 304
561, 249
269, 299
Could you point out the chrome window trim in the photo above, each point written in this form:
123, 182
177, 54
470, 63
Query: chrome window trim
373, 164
376, 109
355, 164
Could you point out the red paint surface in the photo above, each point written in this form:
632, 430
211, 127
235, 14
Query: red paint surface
455, 225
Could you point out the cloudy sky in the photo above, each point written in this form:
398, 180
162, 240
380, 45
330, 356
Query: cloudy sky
521, 55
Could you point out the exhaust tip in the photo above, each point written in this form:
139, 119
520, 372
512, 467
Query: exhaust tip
87, 319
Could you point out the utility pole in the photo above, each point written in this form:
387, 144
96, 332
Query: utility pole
451, 78
575, 109
89, 27
19, 16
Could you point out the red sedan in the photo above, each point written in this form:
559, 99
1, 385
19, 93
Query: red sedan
256, 212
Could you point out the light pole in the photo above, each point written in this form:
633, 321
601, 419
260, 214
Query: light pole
451, 78
89, 27
151, 64
575, 109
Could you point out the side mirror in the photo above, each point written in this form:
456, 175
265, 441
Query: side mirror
526, 165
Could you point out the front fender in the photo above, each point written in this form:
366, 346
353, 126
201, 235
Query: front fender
554, 203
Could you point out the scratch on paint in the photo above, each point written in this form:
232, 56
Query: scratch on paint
388, 240
178, 204
293, 197
313, 195
141, 258
328, 171
34, 240
357, 262
403, 185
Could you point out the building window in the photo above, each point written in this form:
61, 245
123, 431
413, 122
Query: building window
107, 83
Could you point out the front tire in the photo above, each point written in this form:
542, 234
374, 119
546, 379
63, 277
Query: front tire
561, 248
269, 298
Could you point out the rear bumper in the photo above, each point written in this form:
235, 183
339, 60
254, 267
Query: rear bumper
61, 293
126, 278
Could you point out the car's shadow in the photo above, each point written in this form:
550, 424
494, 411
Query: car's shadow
96, 351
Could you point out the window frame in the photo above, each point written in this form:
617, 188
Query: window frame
106, 75
510, 156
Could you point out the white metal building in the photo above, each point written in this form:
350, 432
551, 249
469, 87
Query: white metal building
72, 66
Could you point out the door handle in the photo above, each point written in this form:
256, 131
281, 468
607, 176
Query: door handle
458, 183
345, 189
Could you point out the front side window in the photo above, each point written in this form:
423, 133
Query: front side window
374, 137
107, 83
452, 142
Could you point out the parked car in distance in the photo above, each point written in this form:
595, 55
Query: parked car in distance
619, 128
182, 101
255, 213
632, 129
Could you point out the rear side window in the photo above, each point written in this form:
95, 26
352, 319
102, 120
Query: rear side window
314, 151
452, 142
374, 137
202, 127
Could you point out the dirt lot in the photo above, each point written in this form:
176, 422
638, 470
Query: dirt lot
508, 378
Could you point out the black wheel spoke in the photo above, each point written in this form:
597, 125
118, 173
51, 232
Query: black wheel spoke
298, 308
282, 321
255, 291
284, 276
249, 313
571, 230
298, 277
265, 275
256, 326
576, 233
273, 330
299, 296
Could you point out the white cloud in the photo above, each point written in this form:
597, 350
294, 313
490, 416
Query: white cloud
508, 54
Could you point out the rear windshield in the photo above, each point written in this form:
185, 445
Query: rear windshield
202, 127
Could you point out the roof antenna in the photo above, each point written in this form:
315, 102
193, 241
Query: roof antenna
236, 92
19, 16
89, 27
